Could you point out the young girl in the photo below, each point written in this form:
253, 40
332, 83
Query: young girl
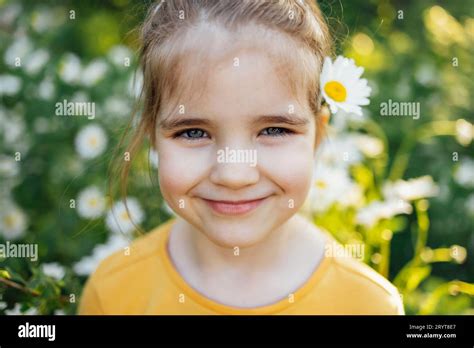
225, 82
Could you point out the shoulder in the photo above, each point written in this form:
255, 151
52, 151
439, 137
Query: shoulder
366, 291
139, 251
126, 271
346, 285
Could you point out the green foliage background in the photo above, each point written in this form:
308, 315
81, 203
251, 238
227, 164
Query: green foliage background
407, 56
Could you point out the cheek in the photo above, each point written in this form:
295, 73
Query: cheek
180, 168
290, 167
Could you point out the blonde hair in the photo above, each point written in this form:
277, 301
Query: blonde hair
162, 55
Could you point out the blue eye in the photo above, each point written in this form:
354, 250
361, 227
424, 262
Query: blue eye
192, 134
276, 131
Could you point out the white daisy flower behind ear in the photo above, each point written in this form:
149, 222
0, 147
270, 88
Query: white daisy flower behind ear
342, 86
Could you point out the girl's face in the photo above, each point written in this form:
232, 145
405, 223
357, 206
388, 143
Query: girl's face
237, 162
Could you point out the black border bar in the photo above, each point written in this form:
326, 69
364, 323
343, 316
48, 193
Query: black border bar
332, 330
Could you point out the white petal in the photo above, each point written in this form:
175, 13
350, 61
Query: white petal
326, 72
333, 107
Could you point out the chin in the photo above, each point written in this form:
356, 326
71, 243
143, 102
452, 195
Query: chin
238, 233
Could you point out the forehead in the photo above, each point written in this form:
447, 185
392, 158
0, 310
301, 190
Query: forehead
251, 70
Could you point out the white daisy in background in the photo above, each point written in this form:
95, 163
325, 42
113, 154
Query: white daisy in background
426, 75
3, 305
9, 14
118, 220
17, 311
46, 88
340, 151
91, 141
15, 135
47, 18
41, 20
13, 222
370, 146
413, 189
53, 270
88, 264
9, 84
9, 168
118, 55
80, 97
353, 197
117, 106
70, 68
463, 174
36, 61
342, 86
341, 119
378, 210
93, 72
464, 132
90, 203
154, 160
114, 243
14, 128
332, 185
20, 48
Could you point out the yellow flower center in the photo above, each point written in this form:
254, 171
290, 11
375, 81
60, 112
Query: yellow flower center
9, 221
336, 91
320, 184
93, 141
124, 216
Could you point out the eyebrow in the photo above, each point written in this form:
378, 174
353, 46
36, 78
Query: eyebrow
184, 122
290, 119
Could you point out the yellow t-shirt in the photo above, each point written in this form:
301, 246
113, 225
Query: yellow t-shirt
145, 281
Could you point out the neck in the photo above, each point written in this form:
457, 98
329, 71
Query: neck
264, 272
276, 252
268, 253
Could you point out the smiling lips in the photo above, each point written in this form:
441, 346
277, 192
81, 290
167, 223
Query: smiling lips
234, 207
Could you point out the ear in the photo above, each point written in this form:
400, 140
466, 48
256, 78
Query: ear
322, 120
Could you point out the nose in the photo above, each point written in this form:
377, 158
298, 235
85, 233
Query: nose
234, 170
